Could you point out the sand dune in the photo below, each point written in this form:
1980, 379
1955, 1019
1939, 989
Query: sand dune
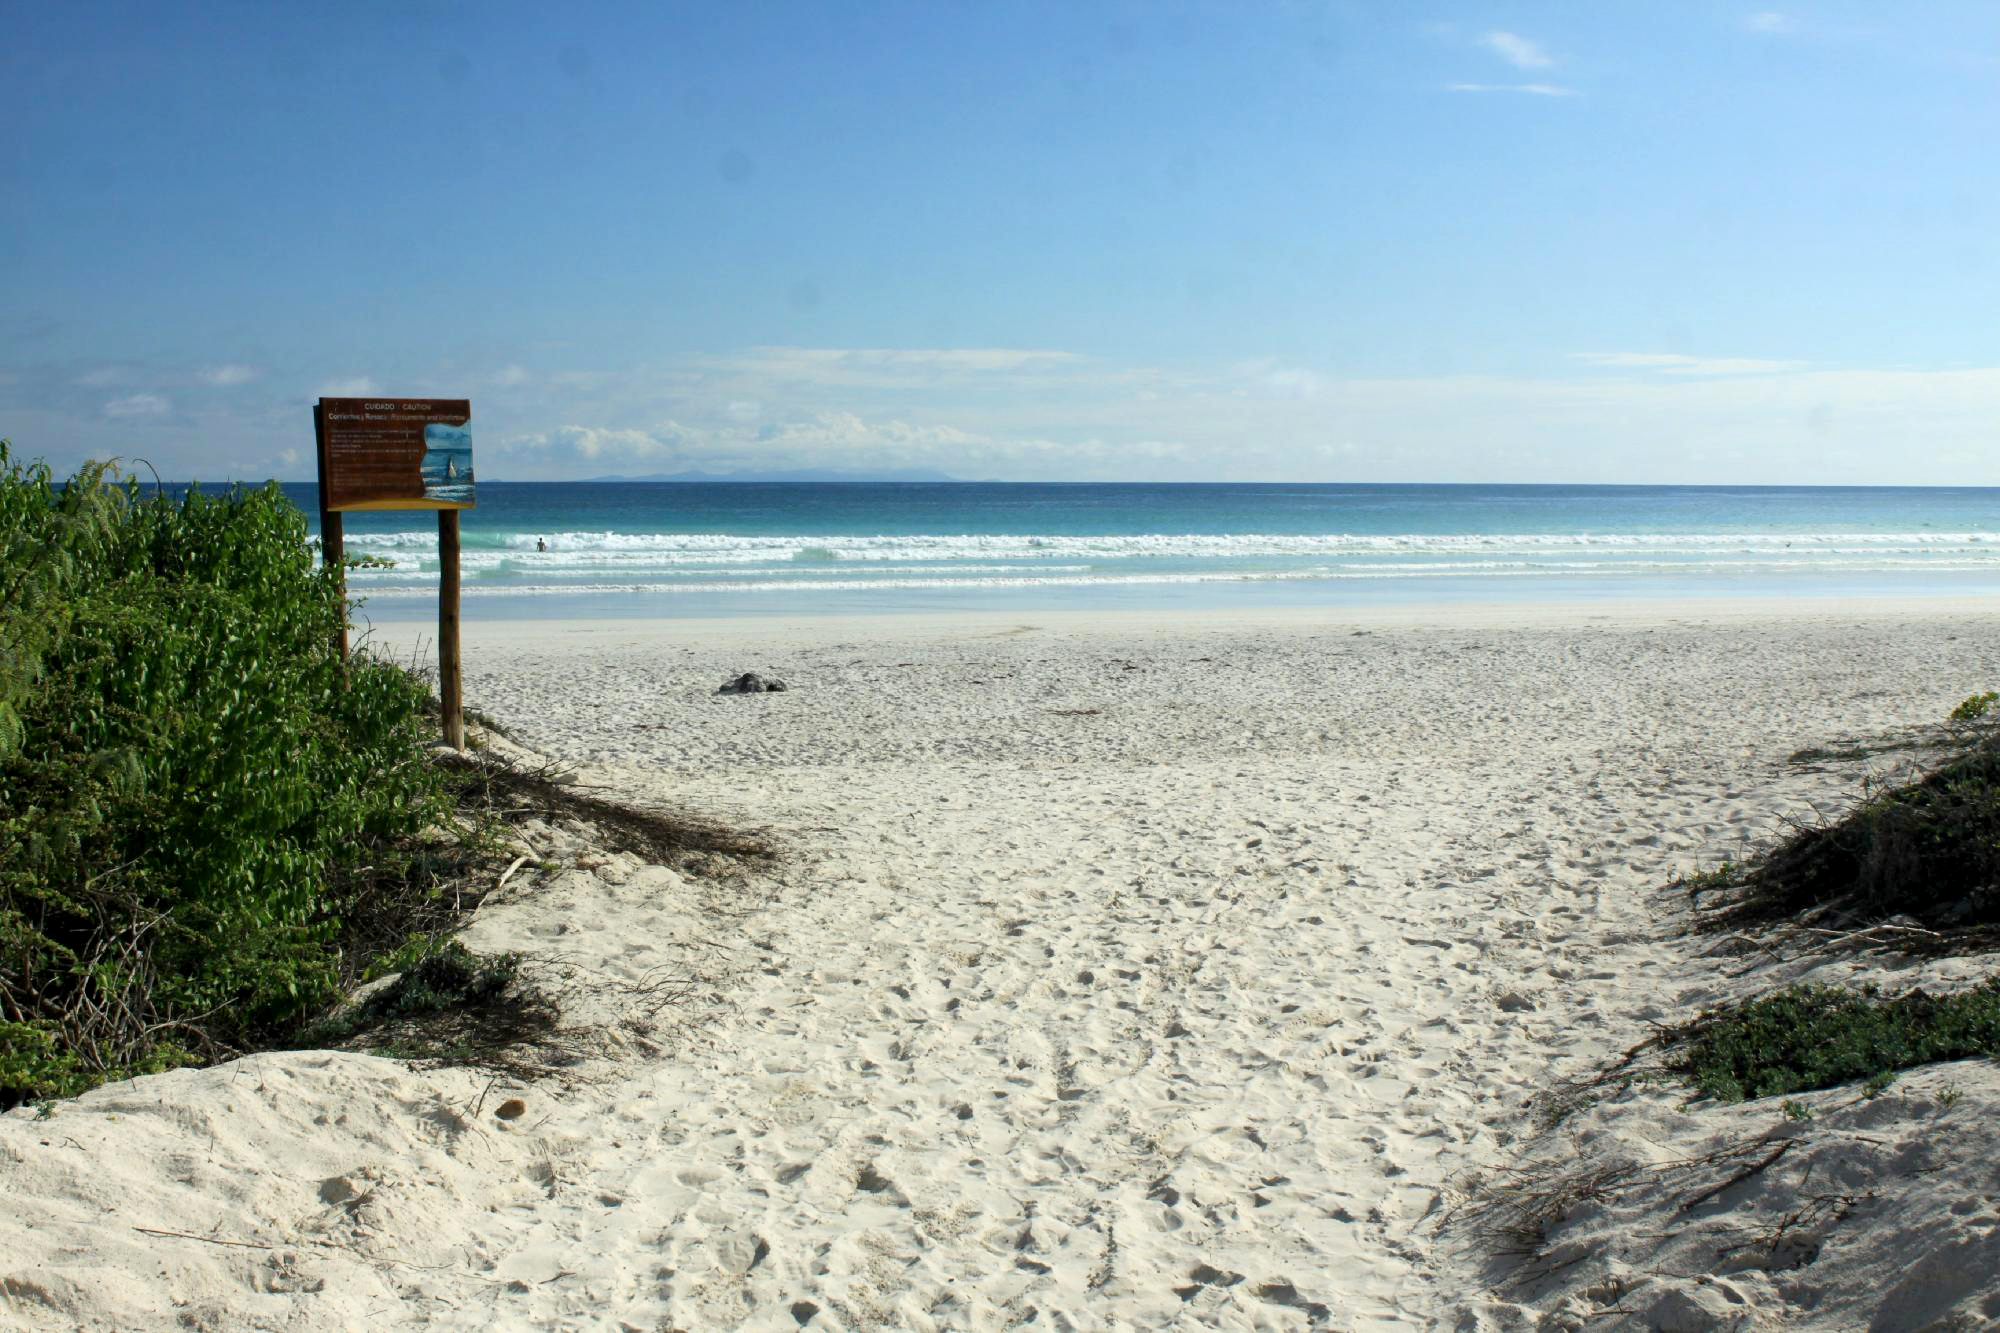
1114, 973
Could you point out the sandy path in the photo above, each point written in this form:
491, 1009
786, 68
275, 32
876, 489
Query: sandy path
1188, 1008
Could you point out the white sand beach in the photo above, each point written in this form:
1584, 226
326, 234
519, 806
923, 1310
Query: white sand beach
1113, 972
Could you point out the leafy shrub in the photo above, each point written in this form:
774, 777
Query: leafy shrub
1976, 708
48, 539
431, 975
1808, 1037
190, 777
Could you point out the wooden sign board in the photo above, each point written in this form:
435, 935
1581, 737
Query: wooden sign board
400, 453
395, 453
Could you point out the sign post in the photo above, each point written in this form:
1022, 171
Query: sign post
451, 699
401, 453
332, 547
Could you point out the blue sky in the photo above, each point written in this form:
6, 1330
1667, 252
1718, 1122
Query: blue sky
1342, 242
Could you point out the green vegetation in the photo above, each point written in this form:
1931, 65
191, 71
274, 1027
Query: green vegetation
1927, 850
212, 828
1976, 708
196, 794
1809, 1037
1915, 866
439, 977
433, 977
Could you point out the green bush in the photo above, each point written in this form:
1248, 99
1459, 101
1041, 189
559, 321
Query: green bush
431, 975
189, 775
1927, 849
1808, 1037
1976, 707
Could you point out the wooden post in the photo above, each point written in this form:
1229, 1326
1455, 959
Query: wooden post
332, 543
450, 699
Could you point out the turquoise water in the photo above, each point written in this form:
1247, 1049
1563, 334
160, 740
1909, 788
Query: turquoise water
638, 549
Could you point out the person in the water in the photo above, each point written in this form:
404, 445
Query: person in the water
541, 545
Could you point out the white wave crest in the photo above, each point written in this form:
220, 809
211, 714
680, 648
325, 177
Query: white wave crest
617, 549
789, 582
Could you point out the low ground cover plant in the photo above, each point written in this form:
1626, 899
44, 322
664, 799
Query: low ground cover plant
1805, 1038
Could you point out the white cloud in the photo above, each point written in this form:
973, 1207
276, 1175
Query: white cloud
949, 358
1596, 416
137, 405
1769, 20
888, 366
849, 431
1535, 89
511, 377
1268, 378
224, 377
1673, 417
102, 377
823, 439
1297, 383
1516, 51
1673, 363
598, 445
359, 386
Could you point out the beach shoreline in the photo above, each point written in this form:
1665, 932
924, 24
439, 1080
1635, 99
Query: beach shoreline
1113, 970
399, 636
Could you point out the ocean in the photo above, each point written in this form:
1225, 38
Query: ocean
745, 549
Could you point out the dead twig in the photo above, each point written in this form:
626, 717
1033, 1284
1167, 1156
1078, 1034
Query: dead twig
1690, 1204
319, 1245
209, 1240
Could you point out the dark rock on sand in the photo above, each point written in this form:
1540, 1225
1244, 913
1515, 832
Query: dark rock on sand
751, 683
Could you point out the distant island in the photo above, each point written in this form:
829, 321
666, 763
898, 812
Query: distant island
803, 474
